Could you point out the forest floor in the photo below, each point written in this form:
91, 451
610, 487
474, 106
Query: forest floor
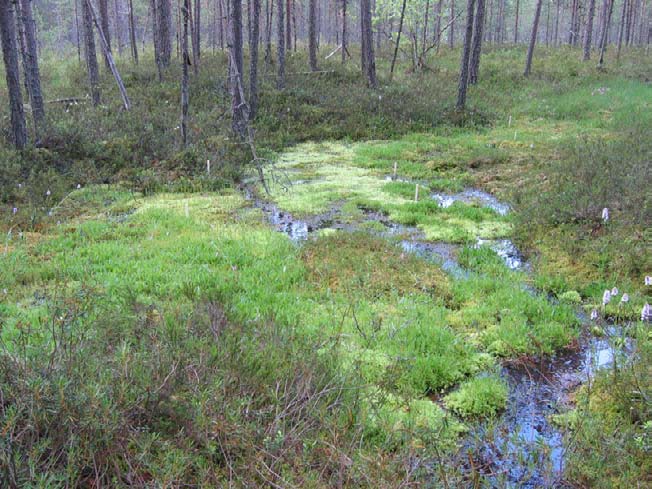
340, 328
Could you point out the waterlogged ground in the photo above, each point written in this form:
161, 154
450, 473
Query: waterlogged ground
424, 296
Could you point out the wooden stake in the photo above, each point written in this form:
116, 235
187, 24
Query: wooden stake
208, 167
509, 124
395, 168
416, 193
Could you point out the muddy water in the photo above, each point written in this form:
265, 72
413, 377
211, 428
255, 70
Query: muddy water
522, 448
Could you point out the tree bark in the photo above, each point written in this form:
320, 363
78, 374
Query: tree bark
197, 24
516, 21
451, 29
312, 34
132, 32
12, 74
253, 59
533, 38
280, 32
238, 104
605, 33
185, 61
476, 48
164, 21
109, 57
588, 38
344, 40
466, 53
118, 25
368, 58
89, 52
288, 25
398, 39
30, 62
622, 28
104, 19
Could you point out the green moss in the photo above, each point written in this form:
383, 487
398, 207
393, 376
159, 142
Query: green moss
480, 396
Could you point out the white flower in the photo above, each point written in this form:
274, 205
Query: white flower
648, 280
606, 297
594, 314
614, 291
624, 298
605, 214
48, 193
646, 313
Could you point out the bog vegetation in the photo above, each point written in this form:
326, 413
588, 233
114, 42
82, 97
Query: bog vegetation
327, 257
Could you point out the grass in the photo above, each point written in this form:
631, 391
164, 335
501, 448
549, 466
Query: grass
156, 329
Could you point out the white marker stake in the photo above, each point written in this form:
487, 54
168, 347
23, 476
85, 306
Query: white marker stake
395, 168
187, 210
509, 124
416, 193
208, 167
514, 135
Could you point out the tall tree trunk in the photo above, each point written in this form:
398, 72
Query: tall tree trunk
220, 14
621, 30
12, 74
466, 54
369, 61
164, 14
253, 59
197, 24
516, 12
118, 25
30, 62
398, 39
280, 48
132, 32
588, 38
104, 20
557, 19
437, 33
109, 57
451, 29
533, 38
193, 39
238, 104
605, 33
476, 48
90, 53
312, 34
185, 61
288, 25
77, 32
269, 6
344, 40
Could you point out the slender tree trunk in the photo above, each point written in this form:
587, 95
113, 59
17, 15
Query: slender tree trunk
280, 31
605, 33
288, 25
547, 23
437, 33
109, 57
164, 11
30, 62
368, 44
398, 39
557, 19
476, 48
516, 12
118, 25
12, 74
533, 38
451, 29
132, 32
90, 53
622, 28
253, 59
269, 6
589, 31
312, 34
104, 20
77, 32
197, 24
466, 54
193, 39
185, 61
238, 104
344, 40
